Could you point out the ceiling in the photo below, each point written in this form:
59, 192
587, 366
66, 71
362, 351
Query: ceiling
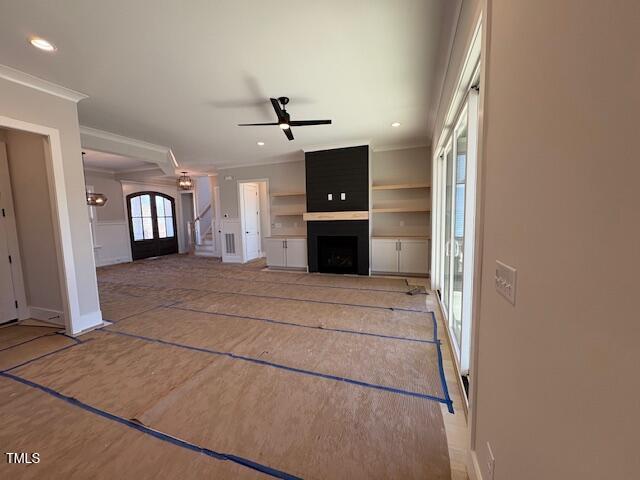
183, 74
113, 163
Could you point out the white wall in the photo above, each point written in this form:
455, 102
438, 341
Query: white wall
34, 222
557, 373
282, 177
26, 104
114, 209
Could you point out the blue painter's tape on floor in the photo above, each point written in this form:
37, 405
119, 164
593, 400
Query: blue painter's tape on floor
292, 324
443, 378
283, 367
43, 356
154, 433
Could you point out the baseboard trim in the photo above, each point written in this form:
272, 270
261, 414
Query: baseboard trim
231, 259
87, 322
112, 261
473, 467
47, 315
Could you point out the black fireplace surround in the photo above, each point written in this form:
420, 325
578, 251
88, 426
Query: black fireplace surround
337, 180
338, 246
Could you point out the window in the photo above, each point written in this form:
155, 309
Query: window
164, 218
141, 217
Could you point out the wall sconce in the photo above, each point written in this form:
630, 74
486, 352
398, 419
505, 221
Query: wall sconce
93, 199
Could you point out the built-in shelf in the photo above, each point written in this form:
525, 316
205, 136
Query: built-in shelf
288, 194
401, 210
400, 186
285, 213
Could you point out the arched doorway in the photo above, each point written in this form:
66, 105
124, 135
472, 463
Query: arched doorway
152, 224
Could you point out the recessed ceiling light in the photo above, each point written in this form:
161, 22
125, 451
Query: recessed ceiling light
260, 144
395, 124
42, 44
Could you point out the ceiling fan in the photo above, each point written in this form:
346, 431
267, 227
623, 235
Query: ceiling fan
284, 121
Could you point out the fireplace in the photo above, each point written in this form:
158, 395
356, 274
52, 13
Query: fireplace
339, 246
337, 216
338, 254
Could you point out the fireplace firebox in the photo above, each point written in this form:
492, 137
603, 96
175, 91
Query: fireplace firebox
338, 254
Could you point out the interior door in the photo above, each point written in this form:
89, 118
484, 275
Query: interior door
152, 224
8, 309
251, 221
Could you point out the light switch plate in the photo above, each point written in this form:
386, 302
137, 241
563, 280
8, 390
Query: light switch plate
343, 196
329, 196
505, 280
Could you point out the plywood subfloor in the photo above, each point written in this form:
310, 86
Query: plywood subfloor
220, 371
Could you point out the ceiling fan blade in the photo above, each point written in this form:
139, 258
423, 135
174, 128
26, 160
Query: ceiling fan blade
288, 133
255, 124
304, 123
277, 108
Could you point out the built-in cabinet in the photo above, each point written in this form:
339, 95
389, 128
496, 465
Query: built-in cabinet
400, 255
286, 252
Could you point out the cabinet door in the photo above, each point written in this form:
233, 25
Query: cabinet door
384, 255
414, 256
296, 253
275, 252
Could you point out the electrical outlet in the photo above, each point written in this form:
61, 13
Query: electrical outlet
402, 223
491, 462
505, 280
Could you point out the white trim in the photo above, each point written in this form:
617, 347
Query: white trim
173, 158
390, 148
242, 216
60, 216
47, 315
114, 137
320, 148
27, 80
473, 466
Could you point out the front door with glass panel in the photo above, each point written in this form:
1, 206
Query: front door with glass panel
152, 224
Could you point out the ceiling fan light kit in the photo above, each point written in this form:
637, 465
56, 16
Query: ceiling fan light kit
284, 120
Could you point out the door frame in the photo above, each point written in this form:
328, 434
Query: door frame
61, 221
13, 244
263, 211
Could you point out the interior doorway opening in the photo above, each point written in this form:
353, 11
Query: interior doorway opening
30, 272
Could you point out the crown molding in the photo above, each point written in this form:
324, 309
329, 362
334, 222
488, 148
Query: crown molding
27, 80
355, 143
114, 137
388, 148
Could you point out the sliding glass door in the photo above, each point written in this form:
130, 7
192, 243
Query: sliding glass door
455, 229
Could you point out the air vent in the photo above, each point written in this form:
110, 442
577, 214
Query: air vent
230, 243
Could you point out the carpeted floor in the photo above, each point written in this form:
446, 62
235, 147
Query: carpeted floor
212, 370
